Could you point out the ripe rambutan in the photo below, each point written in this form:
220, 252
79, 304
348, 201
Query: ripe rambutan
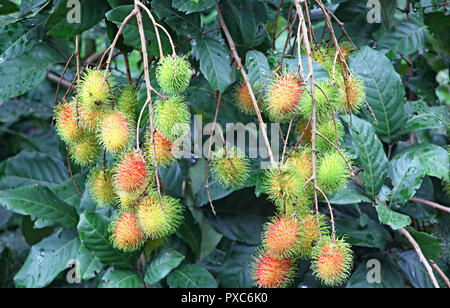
352, 95
127, 102
281, 237
85, 151
332, 172
173, 74
231, 167
101, 186
126, 234
67, 125
332, 262
243, 100
309, 233
323, 103
94, 97
328, 130
172, 117
165, 149
131, 173
157, 221
115, 132
268, 271
283, 98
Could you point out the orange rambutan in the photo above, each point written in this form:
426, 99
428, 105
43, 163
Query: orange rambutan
268, 271
67, 124
243, 99
281, 237
301, 161
126, 234
165, 149
353, 94
132, 172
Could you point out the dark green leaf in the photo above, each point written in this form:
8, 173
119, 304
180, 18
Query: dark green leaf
413, 269
162, 262
190, 232
88, 264
421, 116
371, 235
193, 6
348, 195
258, 68
180, 22
119, 278
393, 219
191, 276
235, 272
430, 245
7, 7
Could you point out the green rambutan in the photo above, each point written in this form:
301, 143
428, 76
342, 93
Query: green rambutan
158, 221
90, 119
115, 132
131, 173
126, 234
283, 99
93, 96
323, 105
281, 237
309, 233
329, 130
332, 262
127, 102
332, 172
101, 186
85, 151
243, 99
172, 117
301, 161
67, 124
353, 95
127, 200
173, 74
230, 166
268, 271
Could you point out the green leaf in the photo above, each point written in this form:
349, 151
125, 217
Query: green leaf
60, 24
439, 27
371, 155
40, 203
28, 168
94, 234
88, 264
389, 217
371, 235
172, 179
193, 6
430, 245
252, 17
119, 278
258, 68
413, 269
47, 259
190, 232
421, 116
182, 24
191, 276
215, 63
348, 195
384, 91
162, 262
67, 192
7, 7
235, 272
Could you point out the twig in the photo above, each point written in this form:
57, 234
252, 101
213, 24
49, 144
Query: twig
276, 23
71, 174
127, 67
337, 149
432, 204
441, 273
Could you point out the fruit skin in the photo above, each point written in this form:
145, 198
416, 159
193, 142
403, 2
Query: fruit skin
94, 97
165, 149
173, 74
155, 221
309, 233
131, 173
353, 95
281, 237
346, 49
67, 125
101, 186
127, 102
332, 172
332, 262
283, 97
172, 117
126, 234
328, 130
243, 100
86, 151
231, 167
90, 119
301, 161
323, 110
127, 200
115, 132
268, 271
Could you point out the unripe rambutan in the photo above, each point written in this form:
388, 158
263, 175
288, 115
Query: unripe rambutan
309, 233
126, 234
281, 237
352, 95
165, 149
325, 56
332, 172
268, 271
101, 186
243, 100
323, 105
127, 200
332, 262
157, 221
67, 125
231, 167
329, 130
346, 49
114, 132
173, 74
89, 119
284, 186
86, 151
299, 208
303, 129
131, 173
172, 117
301, 161
127, 102
283, 98
94, 97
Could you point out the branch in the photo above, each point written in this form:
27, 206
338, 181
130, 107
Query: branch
432, 204
441, 273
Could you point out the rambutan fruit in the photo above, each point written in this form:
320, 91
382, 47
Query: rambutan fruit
158, 221
283, 99
332, 172
353, 95
268, 271
173, 74
67, 125
93, 96
89, 119
281, 237
126, 235
303, 129
172, 117
101, 186
284, 186
323, 103
230, 166
165, 149
329, 130
127, 200
325, 57
346, 49
301, 161
299, 208
243, 100
127, 102
309, 233
332, 261
114, 132
131, 172
85, 151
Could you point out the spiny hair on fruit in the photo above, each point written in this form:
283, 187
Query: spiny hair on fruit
243, 99
173, 74
132, 172
329, 129
93, 93
67, 124
281, 237
126, 235
328, 101
230, 166
127, 102
165, 150
332, 172
115, 131
101, 186
352, 93
86, 151
172, 117
310, 231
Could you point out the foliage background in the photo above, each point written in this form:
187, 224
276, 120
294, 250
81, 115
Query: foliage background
403, 61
